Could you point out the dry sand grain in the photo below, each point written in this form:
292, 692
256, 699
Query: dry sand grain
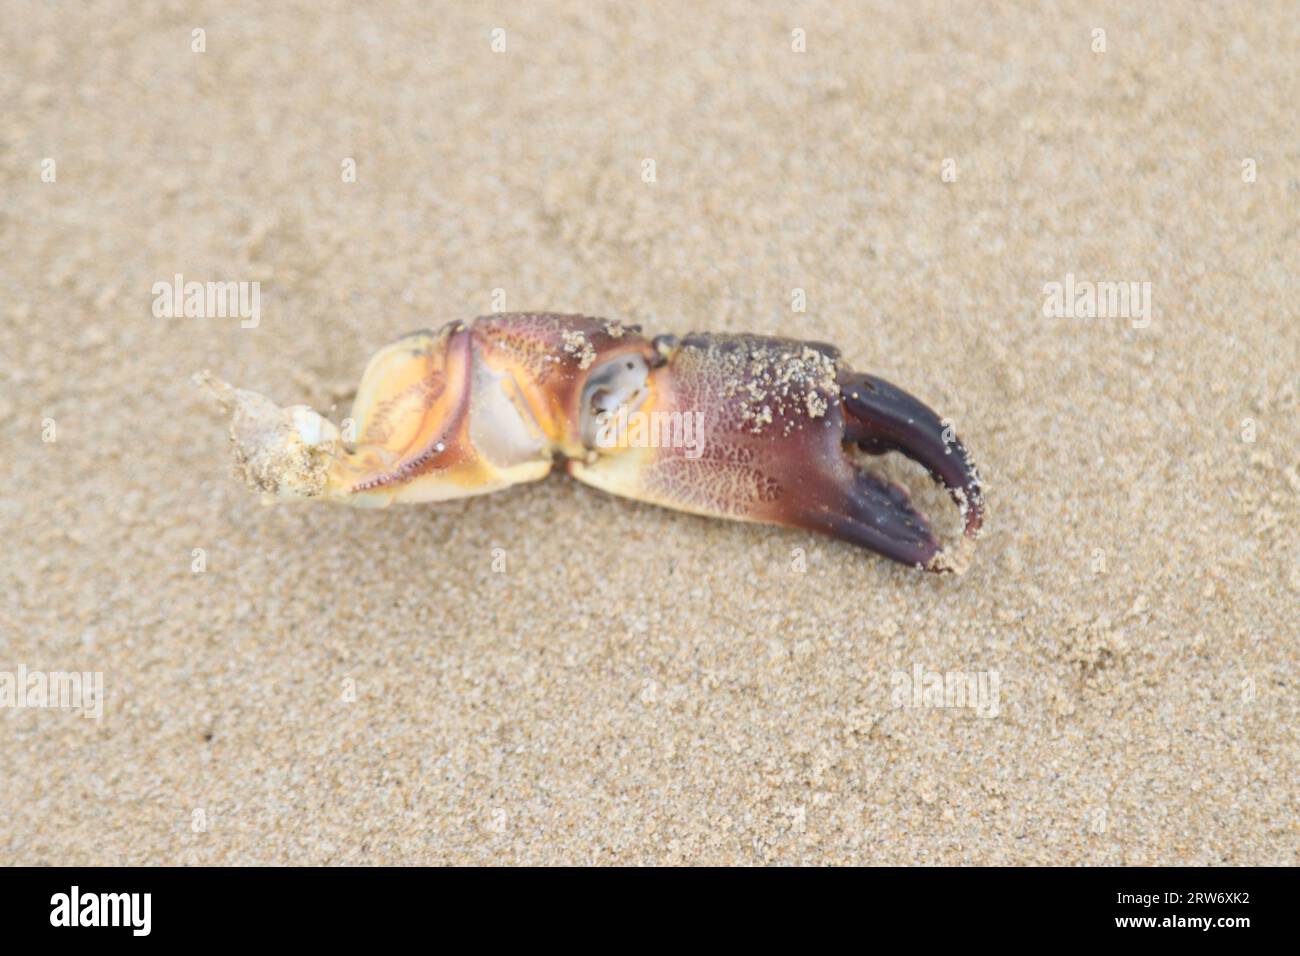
639, 685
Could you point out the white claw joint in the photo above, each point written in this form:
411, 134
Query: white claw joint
282, 453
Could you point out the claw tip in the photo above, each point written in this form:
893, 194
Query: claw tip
955, 559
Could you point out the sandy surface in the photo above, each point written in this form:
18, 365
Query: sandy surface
638, 685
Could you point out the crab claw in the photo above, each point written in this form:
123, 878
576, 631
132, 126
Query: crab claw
745, 427
881, 417
774, 419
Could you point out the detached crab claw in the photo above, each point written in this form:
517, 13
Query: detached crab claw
745, 427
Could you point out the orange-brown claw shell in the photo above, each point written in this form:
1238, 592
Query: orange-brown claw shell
777, 420
747, 427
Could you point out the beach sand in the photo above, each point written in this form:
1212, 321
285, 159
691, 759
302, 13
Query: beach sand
638, 685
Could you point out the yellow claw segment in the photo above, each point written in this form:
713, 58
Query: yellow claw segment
403, 393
